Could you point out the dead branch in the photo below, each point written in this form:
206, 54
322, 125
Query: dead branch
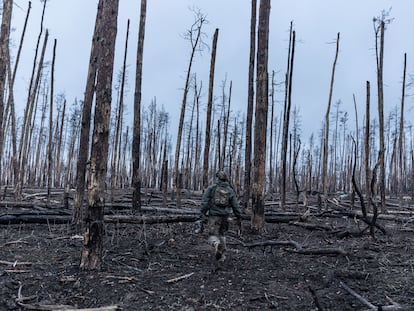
393, 307
319, 227
15, 263
298, 248
64, 307
358, 296
186, 276
315, 298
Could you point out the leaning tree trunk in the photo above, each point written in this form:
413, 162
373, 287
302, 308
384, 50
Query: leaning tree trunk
326, 140
91, 257
249, 113
4, 53
194, 38
136, 139
260, 127
209, 109
83, 152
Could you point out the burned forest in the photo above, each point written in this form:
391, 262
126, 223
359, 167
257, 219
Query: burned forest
100, 194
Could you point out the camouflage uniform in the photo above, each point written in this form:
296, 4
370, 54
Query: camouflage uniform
217, 216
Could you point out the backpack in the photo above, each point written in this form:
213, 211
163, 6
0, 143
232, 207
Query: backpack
221, 196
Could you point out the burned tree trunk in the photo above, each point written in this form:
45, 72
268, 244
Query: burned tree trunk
286, 116
401, 186
50, 144
4, 53
91, 258
10, 101
136, 137
326, 139
119, 116
380, 66
249, 113
259, 170
209, 109
83, 152
367, 149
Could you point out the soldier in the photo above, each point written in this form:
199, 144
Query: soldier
216, 205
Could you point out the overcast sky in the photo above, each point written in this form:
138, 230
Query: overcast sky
166, 53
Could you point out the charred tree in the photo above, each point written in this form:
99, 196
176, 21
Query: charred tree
249, 113
379, 25
50, 144
366, 147
4, 64
91, 257
119, 117
286, 116
136, 136
83, 152
326, 130
260, 128
401, 186
209, 109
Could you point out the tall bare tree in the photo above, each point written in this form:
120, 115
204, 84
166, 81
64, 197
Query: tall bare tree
4, 64
10, 101
119, 117
260, 128
286, 115
249, 113
209, 109
91, 257
194, 36
83, 152
50, 144
401, 132
326, 128
136, 137
379, 25
366, 146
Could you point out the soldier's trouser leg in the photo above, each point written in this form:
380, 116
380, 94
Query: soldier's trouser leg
217, 227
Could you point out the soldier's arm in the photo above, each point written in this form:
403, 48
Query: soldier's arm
235, 205
205, 202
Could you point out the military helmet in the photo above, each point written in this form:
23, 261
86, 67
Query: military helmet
221, 175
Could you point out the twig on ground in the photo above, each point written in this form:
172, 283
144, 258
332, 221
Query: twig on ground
186, 276
315, 299
357, 296
393, 307
15, 263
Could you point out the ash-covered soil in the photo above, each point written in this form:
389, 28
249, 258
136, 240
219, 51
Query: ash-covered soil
169, 267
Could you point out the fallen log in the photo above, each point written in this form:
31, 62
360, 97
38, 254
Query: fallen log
150, 219
299, 248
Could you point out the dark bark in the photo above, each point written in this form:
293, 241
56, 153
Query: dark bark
50, 144
83, 153
366, 146
136, 136
259, 170
380, 84
286, 116
326, 139
209, 109
249, 113
119, 117
4, 64
91, 257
